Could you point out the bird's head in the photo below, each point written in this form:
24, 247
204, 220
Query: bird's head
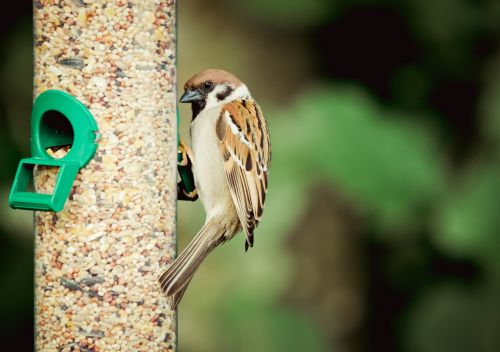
212, 88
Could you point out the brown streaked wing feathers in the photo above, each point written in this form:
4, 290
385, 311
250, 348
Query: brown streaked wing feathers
244, 142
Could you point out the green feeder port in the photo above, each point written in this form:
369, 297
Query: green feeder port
58, 119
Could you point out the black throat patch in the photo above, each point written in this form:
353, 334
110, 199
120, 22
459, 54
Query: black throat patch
197, 106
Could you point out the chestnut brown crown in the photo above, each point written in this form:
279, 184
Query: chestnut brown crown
213, 76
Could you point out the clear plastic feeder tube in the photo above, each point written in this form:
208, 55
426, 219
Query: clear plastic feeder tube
98, 260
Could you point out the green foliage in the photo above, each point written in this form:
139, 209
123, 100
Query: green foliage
450, 318
447, 27
389, 167
468, 221
490, 107
283, 330
287, 13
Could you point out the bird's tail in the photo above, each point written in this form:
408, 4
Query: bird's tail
176, 278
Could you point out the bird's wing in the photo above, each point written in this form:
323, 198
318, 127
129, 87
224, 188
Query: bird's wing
244, 142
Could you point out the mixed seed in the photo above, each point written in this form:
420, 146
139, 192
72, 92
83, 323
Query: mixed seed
98, 260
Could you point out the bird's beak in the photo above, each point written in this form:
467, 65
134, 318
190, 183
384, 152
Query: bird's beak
190, 95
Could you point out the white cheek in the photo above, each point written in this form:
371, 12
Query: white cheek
239, 93
212, 100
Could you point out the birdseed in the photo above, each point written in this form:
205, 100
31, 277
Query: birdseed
98, 260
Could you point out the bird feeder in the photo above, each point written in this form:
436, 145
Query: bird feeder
56, 115
104, 166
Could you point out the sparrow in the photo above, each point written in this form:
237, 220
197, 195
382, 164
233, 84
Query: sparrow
231, 156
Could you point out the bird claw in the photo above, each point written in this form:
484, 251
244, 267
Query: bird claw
184, 151
186, 189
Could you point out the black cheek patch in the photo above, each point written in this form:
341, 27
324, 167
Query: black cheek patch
223, 95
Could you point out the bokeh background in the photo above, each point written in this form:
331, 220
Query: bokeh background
382, 225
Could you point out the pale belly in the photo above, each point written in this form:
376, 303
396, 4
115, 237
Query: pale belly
208, 165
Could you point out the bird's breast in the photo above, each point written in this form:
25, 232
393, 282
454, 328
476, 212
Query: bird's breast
208, 165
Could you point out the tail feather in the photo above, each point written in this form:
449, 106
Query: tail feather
175, 279
175, 299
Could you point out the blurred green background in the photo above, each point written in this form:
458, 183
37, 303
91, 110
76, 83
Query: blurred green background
382, 223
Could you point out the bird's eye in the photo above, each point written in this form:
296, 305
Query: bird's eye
207, 85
